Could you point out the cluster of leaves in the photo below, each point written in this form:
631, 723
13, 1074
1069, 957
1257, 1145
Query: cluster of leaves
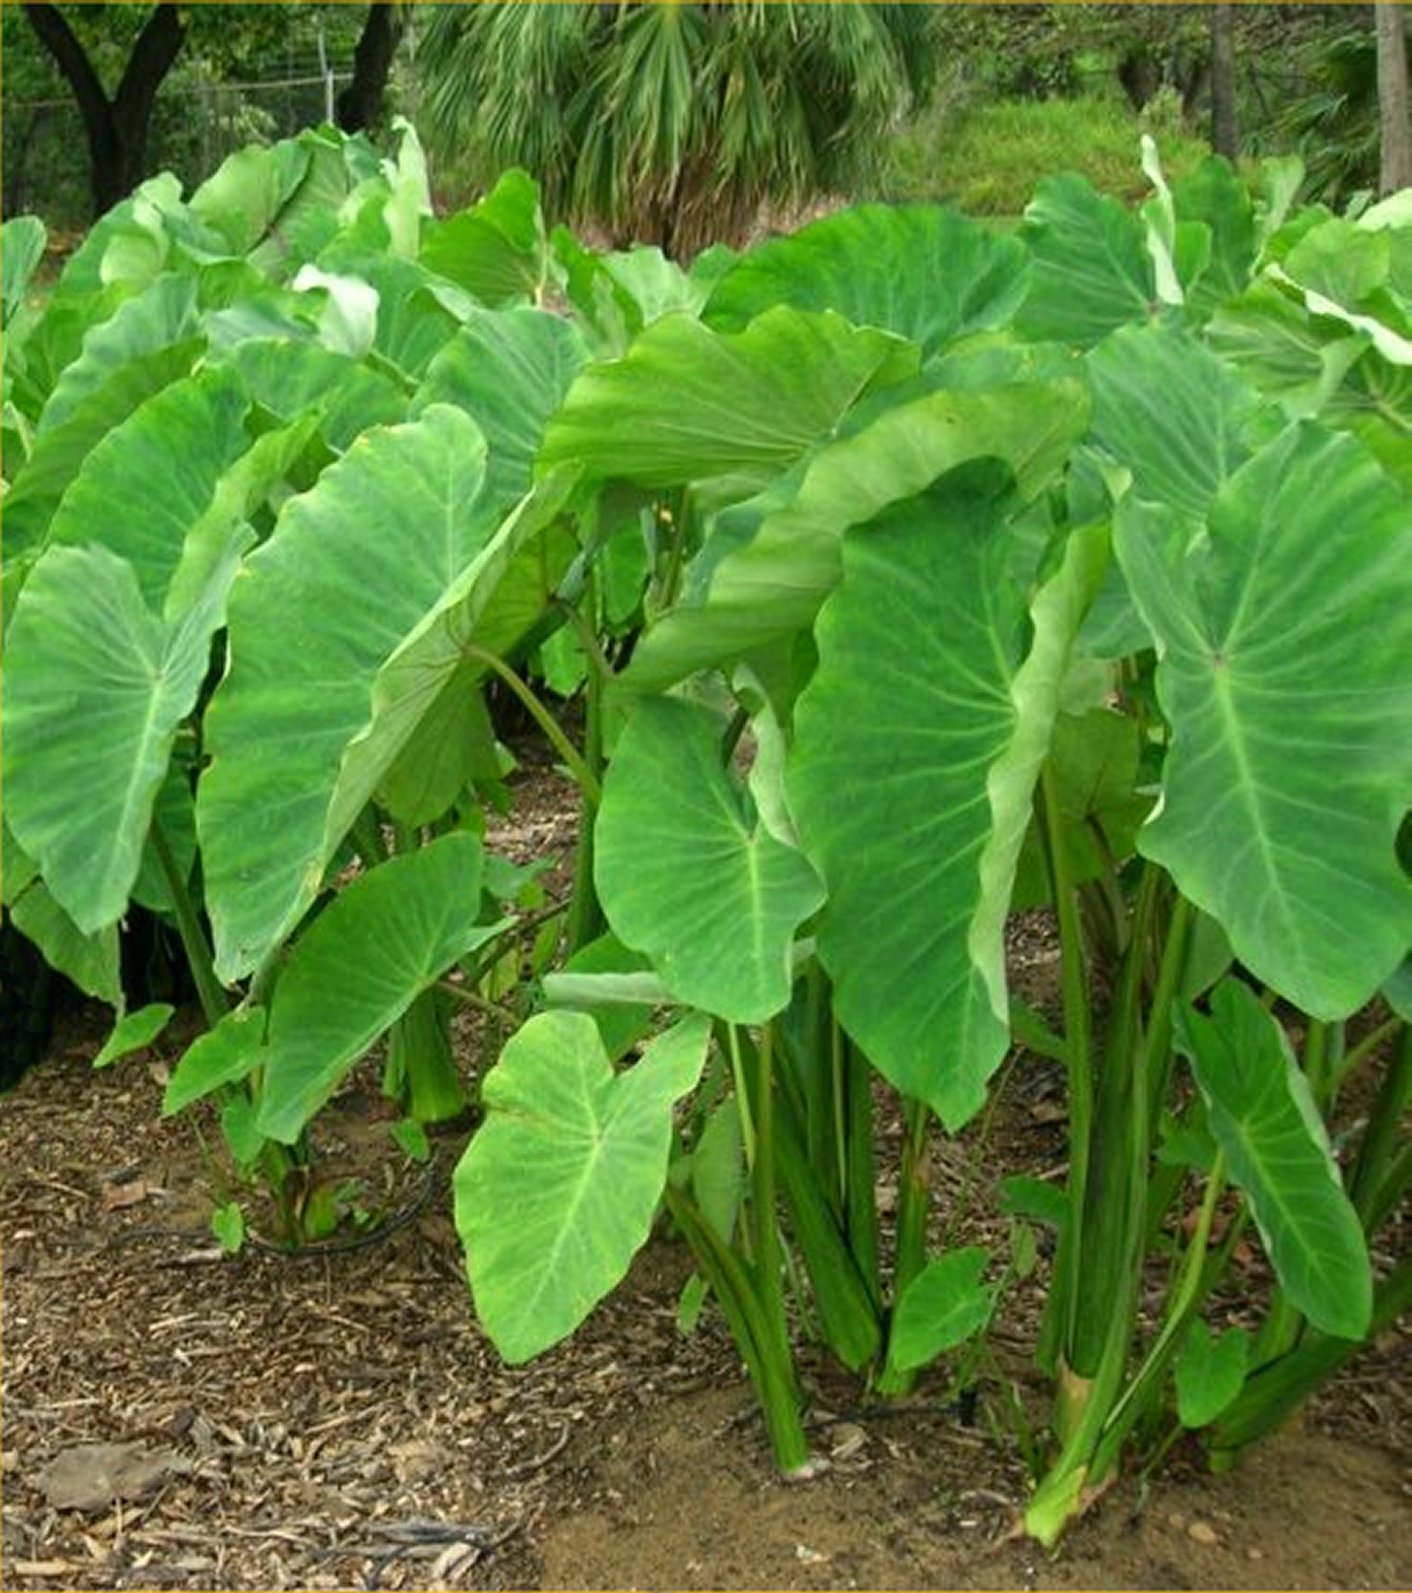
245, 494
913, 573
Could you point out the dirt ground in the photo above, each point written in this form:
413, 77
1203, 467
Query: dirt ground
337, 1420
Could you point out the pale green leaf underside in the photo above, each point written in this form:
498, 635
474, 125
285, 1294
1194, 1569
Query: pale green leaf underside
1286, 676
688, 873
1264, 1119
578, 1156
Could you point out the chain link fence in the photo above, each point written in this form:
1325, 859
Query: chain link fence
198, 120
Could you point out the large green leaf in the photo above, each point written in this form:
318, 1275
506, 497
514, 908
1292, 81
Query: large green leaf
1263, 1116
417, 311
1092, 272
1172, 412
496, 249
1297, 358
360, 965
510, 370
96, 686
924, 272
378, 558
288, 378
1286, 678
579, 1155
489, 608
243, 197
162, 464
1215, 197
60, 450
917, 746
690, 872
686, 401
163, 315
775, 583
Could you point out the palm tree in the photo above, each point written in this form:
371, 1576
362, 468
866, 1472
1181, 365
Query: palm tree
671, 124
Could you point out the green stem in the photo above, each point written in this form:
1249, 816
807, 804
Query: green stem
585, 913
1105, 1268
860, 1178
1357, 1056
1192, 1287
1078, 1058
366, 836
742, 1096
584, 776
765, 1355
1380, 1137
913, 1203
210, 992
588, 640
469, 997
1395, 1183
768, 1259
1157, 1054
1317, 1046
671, 581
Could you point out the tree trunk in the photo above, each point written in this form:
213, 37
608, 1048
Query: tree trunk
117, 128
360, 103
1225, 132
1394, 116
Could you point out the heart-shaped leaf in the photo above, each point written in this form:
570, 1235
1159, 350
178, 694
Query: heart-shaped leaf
944, 1305
689, 872
917, 746
1287, 681
1210, 1372
579, 1155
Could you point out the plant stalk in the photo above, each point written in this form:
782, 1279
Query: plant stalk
209, 990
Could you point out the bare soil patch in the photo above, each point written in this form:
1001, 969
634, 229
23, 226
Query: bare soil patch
339, 1421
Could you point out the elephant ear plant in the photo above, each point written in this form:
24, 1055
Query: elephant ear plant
1095, 591
699, 862
262, 559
